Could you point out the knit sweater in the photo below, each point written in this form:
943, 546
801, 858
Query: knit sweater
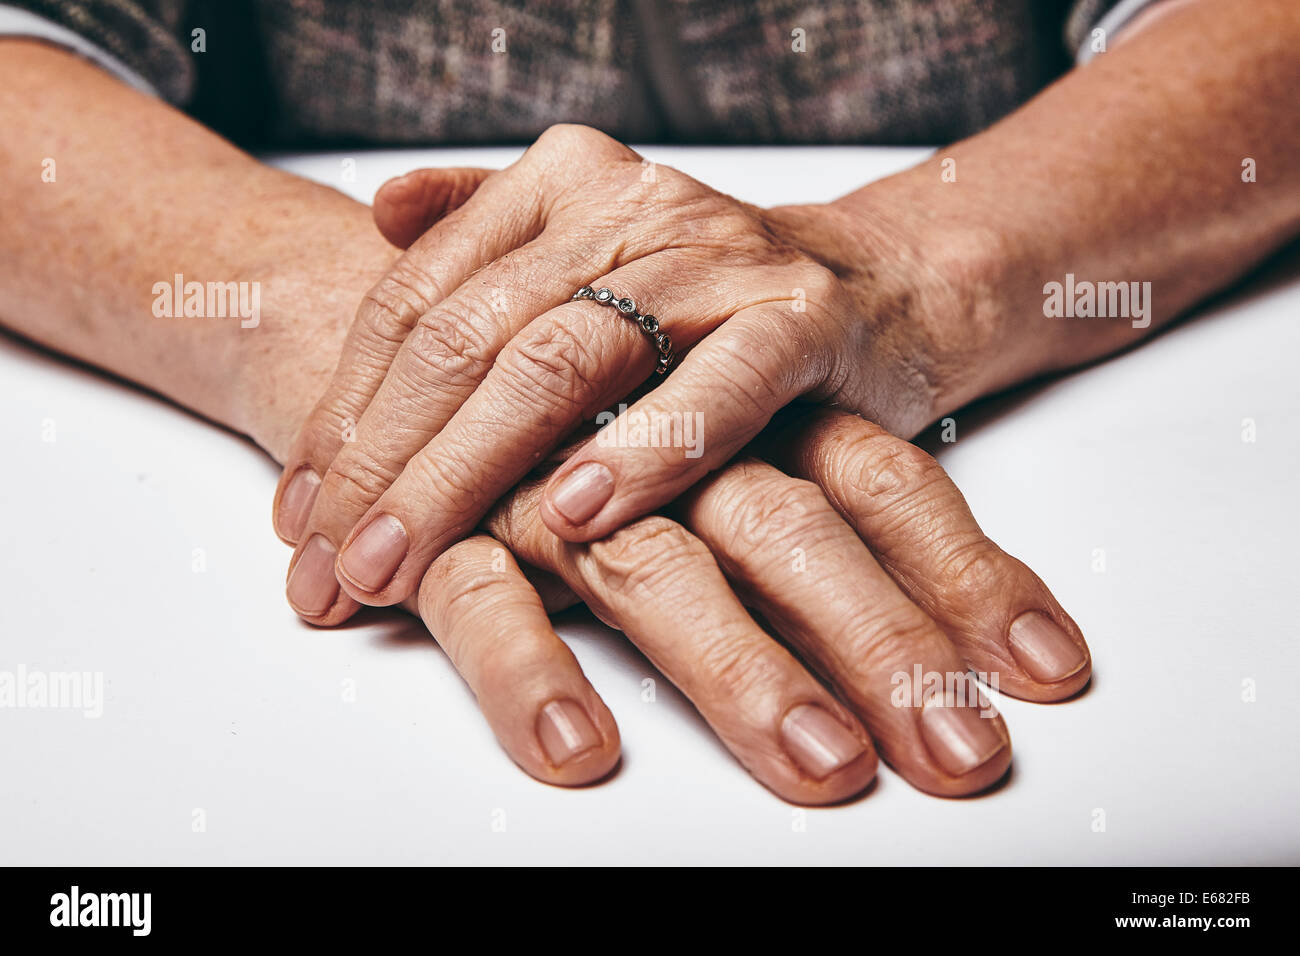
316, 72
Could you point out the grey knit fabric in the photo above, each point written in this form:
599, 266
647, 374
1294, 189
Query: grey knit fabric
302, 72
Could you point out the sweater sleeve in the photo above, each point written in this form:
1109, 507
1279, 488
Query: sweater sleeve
139, 41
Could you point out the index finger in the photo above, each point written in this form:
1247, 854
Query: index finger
435, 265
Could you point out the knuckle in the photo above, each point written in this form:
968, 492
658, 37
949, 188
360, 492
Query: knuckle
443, 478
444, 499
820, 285
675, 190
452, 579
470, 592
810, 338
575, 139
449, 345
886, 473
558, 134
355, 479
876, 640
557, 367
744, 367
765, 518
457, 564
507, 664
391, 306
641, 557
678, 212
977, 566
735, 669
383, 325
695, 210
327, 428
455, 596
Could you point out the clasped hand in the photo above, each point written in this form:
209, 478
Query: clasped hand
443, 437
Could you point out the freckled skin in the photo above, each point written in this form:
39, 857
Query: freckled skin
141, 193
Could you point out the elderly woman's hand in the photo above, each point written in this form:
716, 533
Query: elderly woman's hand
470, 362
853, 544
860, 555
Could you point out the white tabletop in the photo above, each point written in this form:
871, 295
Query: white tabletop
217, 700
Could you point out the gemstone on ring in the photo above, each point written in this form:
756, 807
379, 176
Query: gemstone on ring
648, 324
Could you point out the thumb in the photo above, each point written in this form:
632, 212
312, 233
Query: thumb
405, 207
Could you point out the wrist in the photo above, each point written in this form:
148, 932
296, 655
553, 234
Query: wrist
966, 288
310, 288
929, 291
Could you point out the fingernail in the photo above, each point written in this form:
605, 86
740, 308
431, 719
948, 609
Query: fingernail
818, 742
1043, 649
565, 731
295, 504
375, 553
584, 492
312, 585
958, 737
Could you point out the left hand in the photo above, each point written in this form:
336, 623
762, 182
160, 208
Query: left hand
468, 363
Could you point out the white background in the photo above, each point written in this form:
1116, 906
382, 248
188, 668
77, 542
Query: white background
217, 698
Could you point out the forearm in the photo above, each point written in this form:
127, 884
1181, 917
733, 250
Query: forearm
1127, 170
137, 194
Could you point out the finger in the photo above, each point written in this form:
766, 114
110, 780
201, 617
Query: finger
555, 373
311, 585
504, 213
661, 586
429, 374
723, 394
439, 492
406, 206
474, 414
547, 716
435, 371
999, 614
782, 544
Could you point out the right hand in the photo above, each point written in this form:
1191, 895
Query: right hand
476, 363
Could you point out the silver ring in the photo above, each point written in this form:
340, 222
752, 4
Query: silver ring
648, 324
